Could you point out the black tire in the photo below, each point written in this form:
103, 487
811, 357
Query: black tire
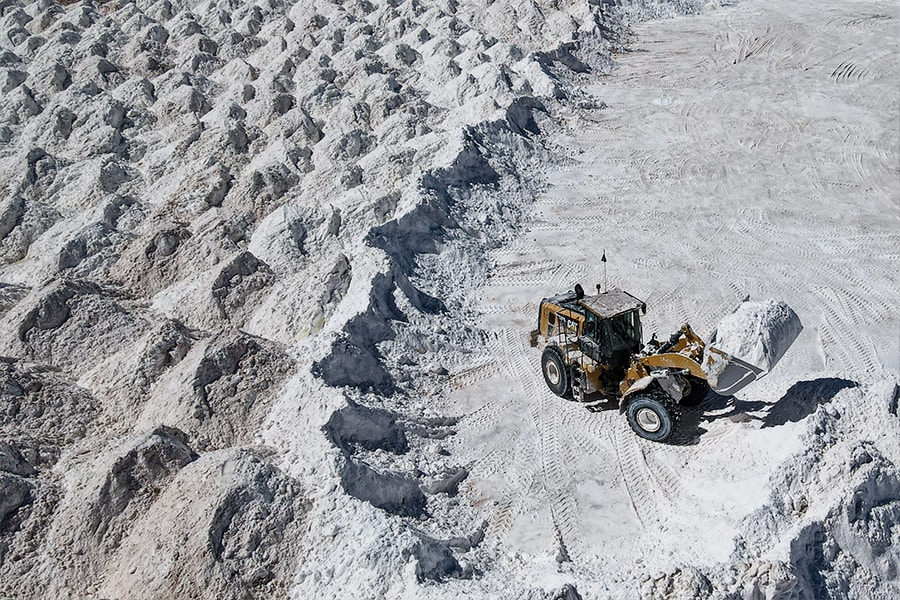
653, 415
556, 374
697, 392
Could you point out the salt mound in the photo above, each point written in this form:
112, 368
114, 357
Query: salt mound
758, 332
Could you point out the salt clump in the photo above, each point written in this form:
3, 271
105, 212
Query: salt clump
758, 332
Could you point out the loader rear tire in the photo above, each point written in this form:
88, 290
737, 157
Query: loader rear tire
653, 415
556, 374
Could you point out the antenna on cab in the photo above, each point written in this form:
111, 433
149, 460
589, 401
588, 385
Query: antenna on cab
603, 260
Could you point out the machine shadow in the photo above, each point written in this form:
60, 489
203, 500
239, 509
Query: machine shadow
802, 399
690, 429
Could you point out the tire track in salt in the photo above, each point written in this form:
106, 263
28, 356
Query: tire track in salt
863, 23
757, 47
646, 499
510, 448
472, 374
556, 472
869, 171
853, 351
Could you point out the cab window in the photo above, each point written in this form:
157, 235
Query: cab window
624, 331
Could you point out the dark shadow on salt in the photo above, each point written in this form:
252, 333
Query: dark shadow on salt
803, 398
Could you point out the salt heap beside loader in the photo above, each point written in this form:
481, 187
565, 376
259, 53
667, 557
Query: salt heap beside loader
593, 345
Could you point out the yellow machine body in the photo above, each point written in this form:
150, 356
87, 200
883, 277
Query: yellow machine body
564, 322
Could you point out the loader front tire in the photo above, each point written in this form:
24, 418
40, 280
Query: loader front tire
653, 415
556, 374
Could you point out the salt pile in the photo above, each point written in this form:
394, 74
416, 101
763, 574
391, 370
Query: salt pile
216, 222
758, 332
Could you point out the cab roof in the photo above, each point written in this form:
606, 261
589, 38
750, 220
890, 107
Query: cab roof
611, 303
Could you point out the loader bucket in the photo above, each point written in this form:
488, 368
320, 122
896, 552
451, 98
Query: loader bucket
748, 344
726, 374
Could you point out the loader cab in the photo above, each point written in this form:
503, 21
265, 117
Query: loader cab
616, 337
606, 327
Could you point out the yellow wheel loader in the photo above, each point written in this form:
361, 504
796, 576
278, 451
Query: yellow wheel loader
593, 345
